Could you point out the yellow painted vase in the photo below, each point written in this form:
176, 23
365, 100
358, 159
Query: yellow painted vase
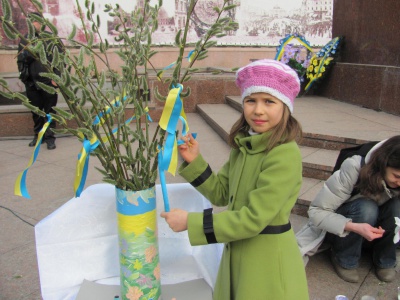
138, 245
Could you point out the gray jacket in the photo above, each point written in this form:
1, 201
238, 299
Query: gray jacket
336, 191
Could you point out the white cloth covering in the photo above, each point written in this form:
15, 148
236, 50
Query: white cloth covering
79, 241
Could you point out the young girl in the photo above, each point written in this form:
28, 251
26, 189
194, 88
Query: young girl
351, 219
259, 184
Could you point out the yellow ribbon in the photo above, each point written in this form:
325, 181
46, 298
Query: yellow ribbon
89, 146
173, 109
168, 156
83, 164
20, 188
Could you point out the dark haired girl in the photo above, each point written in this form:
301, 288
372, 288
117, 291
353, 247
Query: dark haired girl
351, 219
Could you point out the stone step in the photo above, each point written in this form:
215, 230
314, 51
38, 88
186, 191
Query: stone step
308, 191
235, 102
318, 163
220, 117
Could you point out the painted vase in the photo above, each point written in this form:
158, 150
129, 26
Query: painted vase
138, 244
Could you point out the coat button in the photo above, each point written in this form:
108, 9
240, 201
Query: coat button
231, 199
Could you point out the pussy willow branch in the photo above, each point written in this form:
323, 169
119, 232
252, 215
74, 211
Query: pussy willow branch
130, 47
208, 36
183, 41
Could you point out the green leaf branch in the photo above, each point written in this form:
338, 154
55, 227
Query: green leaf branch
99, 97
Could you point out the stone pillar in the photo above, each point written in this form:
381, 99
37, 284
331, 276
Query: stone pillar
368, 71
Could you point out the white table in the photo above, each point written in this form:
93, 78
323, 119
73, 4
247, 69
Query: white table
78, 242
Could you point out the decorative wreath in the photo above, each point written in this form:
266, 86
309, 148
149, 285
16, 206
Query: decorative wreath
293, 55
322, 61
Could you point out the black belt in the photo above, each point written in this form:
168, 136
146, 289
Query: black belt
276, 229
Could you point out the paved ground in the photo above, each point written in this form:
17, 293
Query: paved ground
50, 183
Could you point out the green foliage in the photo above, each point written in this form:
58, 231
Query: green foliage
93, 90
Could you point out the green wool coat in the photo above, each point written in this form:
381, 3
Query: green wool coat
259, 189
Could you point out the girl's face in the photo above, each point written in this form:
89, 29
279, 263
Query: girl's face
392, 177
262, 111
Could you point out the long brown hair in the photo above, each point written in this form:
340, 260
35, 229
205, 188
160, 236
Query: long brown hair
288, 129
372, 173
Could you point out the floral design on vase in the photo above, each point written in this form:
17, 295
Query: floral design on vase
138, 244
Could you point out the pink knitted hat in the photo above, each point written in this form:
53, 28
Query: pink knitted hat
269, 76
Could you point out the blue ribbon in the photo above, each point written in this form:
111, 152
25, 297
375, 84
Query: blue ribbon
81, 171
87, 148
20, 188
189, 58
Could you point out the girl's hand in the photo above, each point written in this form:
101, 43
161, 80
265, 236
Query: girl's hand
176, 219
190, 150
365, 230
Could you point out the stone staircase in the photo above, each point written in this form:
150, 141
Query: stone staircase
318, 160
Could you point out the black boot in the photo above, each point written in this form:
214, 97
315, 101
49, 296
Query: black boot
51, 145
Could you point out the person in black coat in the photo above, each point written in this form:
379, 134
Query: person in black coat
30, 68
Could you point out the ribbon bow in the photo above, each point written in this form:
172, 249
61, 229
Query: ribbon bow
20, 188
168, 156
90, 146
170, 116
83, 163
115, 103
